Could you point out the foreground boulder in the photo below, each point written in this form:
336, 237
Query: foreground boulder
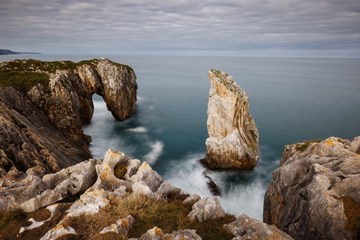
44, 105
233, 137
248, 228
315, 192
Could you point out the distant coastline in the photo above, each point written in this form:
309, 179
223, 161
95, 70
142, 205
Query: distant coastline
9, 52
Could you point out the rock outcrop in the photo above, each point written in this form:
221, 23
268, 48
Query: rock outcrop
248, 228
45, 104
315, 193
233, 137
100, 200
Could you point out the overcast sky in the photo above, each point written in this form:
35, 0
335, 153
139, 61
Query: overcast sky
181, 26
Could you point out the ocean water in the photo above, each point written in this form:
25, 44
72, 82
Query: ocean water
291, 100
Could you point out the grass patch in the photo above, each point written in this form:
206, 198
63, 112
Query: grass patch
168, 215
24, 74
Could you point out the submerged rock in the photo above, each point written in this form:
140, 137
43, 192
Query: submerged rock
233, 137
315, 192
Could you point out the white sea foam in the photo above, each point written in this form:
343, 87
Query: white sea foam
155, 152
188, 175
138, 130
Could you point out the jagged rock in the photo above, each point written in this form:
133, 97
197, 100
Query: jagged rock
248, 228
233, 137
192, 199
157, 234
122, 226
42, 125
28, 139
106, 175
206, 209
31, 192
146, 174
315, 191
166, 190
142, 188
186, 234
59, 232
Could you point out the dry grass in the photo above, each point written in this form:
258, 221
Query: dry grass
168, 215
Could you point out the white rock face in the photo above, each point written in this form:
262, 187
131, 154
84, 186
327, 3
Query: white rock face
207, 209
122, 226
233, 137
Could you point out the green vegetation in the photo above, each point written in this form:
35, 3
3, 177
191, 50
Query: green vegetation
168, 215
24, 74
304, 145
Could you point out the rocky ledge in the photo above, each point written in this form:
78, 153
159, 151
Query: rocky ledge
315, 192
44, 105
115, 198
233, 137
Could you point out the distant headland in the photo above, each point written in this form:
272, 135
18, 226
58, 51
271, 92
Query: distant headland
9, 52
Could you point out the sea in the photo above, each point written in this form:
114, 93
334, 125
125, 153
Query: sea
291, 100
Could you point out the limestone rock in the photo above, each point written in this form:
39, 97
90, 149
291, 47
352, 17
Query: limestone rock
315, 191
42, 126
206, 209
28, 139
146, 174
122, 226
166, 190
233, 137
31, 192
59, 232
248, 228
157, 234
192, 199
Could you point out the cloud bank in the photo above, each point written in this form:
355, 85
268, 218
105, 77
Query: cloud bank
110, 26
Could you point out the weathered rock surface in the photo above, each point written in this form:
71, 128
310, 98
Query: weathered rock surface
29, 192
248, 228
207, 209
157, 234
233, 137
121, 227
315, 192
42, 126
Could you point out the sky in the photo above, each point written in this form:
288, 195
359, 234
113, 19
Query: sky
205, 27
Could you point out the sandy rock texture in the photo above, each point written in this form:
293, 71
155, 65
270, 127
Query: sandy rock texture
315, 192
233, 137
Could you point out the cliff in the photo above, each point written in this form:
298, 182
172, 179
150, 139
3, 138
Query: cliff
233, 137
315, 193
45, 104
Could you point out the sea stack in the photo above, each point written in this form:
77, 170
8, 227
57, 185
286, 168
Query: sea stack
233, 141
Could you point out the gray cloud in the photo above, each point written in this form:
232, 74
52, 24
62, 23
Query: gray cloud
141, 25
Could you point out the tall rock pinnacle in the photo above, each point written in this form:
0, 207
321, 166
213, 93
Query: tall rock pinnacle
233, 137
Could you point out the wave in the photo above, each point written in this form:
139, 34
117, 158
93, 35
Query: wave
138, 130
155, 152
239, 198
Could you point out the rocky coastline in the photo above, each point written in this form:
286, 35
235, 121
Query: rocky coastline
51, 188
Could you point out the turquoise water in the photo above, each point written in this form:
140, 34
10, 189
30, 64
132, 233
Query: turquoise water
291, 100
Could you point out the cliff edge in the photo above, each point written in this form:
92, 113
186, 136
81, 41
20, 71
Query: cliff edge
45, 104
233, 137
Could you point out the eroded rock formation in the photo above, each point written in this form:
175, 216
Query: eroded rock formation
45, 104
315, 193
102, 201
233, 137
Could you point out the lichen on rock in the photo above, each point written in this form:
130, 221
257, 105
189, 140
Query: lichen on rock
314, 193
233, 137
